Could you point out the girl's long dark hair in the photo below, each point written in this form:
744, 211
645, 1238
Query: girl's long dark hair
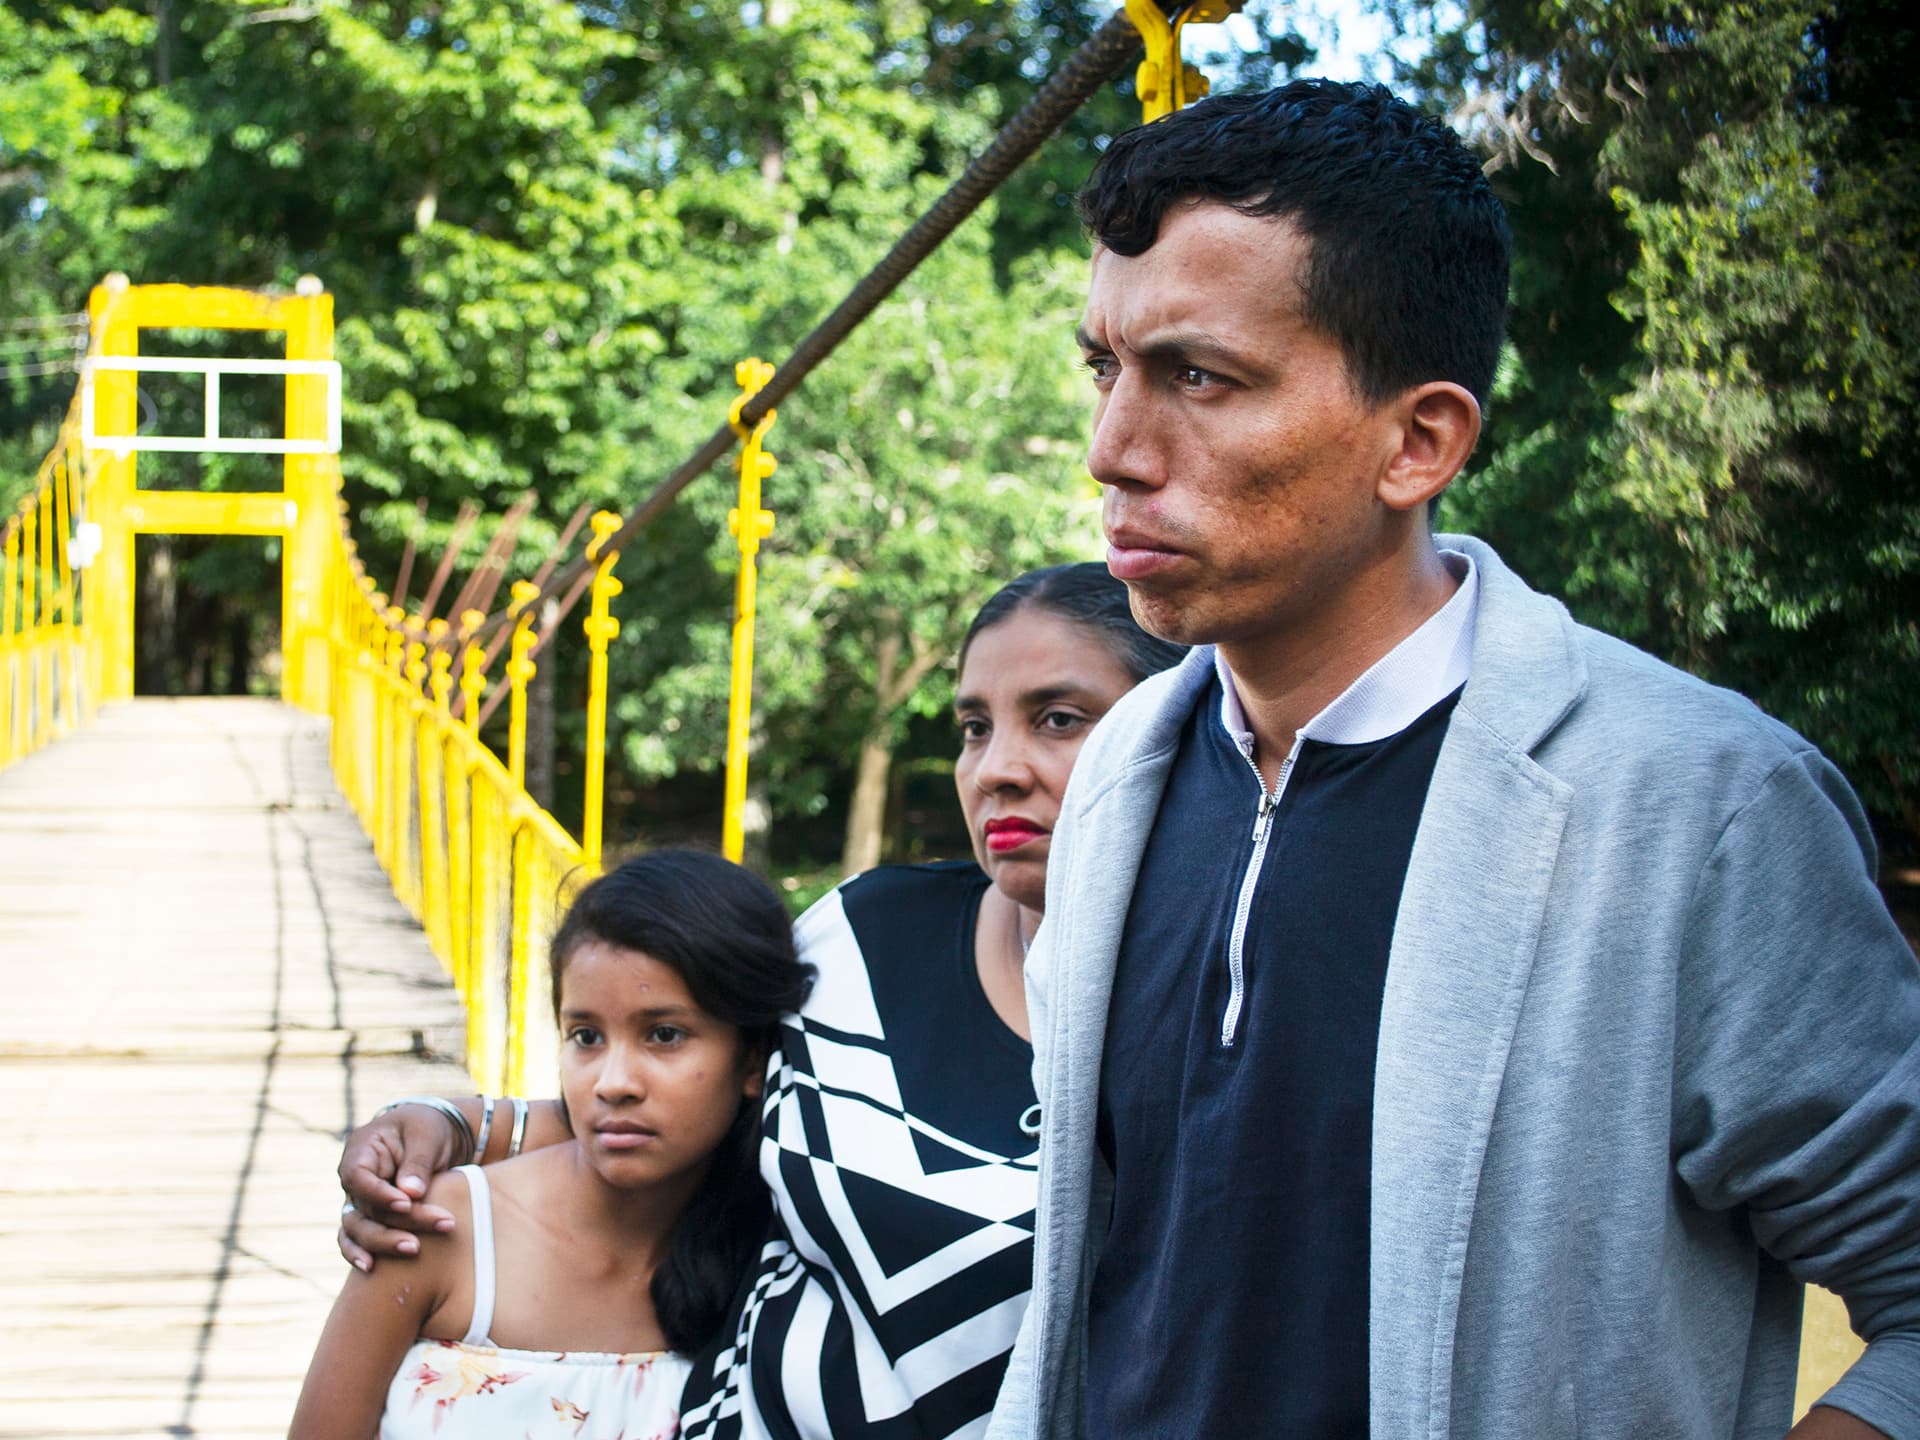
728, 937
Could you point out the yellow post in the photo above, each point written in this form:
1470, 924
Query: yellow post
387, 644
749, 525
520, 669
1164, 83
601, 628
519, 952
43, 680
416, 667
440, 681
110, 580
473, 671
460, 741
410, 871
434, 857
30, 736
9, 645
306, 550
64, 517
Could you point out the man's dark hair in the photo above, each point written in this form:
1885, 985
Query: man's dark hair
1409, 247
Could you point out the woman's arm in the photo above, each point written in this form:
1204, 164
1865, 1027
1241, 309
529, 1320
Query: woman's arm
389, 1161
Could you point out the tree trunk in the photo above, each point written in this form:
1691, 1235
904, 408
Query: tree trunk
867, 814
239, 652
892, 847
1903, 800
756, 819
159, 668
163, 42
775, 15
893, 686
540, 717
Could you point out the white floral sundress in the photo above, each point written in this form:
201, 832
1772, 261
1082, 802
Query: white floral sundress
472, 1389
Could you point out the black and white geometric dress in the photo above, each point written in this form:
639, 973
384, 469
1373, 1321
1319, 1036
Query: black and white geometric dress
899, 1151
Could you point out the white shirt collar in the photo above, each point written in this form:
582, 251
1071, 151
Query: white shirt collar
1398, 688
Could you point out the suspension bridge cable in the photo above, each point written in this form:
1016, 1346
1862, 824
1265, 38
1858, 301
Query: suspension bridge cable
1110, 49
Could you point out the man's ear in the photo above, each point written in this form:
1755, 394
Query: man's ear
1439, 426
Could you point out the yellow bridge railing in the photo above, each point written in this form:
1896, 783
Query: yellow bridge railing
46, 680
468, 849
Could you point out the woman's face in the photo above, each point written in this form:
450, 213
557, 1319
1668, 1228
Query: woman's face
1032, 687
652, 1081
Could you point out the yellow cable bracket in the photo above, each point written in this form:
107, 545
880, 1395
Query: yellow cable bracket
749, 525
1164, 82
601, 628
520, 668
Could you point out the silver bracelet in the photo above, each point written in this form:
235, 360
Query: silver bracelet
445, 1107
486, 1130
519, 1127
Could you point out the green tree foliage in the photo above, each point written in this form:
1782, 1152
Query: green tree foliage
551, 230
1701, 436
939, 456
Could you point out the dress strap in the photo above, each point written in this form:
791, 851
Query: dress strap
482, 1256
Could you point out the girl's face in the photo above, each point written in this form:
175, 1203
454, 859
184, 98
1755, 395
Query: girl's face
652, 1082
1030, 691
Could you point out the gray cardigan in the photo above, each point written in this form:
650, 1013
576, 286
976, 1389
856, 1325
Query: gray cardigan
1649, 1058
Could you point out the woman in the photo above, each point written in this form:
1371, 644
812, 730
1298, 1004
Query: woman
900, 1112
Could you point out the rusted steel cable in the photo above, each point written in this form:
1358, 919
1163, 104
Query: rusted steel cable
505, 632
407, 555
484, 583
456, 542
1110, 49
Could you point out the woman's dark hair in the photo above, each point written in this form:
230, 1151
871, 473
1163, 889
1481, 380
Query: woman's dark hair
728, 936
1087, 595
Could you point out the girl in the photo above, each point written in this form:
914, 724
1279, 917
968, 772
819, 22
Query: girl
579, 1275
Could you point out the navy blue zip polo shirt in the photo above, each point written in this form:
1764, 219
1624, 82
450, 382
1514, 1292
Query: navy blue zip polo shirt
1236, 1101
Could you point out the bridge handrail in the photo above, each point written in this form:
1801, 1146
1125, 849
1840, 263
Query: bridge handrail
467, 848
47, 685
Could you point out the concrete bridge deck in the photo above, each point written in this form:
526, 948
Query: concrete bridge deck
204, 979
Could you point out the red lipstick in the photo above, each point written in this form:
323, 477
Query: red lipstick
1009, 834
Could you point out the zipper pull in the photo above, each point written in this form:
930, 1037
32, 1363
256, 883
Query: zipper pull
1264, 812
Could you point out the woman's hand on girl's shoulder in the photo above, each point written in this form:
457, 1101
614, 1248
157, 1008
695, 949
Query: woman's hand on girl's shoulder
387, 1169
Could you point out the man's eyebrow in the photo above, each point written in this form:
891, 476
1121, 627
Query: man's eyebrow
1176, 347
1192, 346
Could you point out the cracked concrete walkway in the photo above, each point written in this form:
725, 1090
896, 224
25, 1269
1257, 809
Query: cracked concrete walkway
204, 979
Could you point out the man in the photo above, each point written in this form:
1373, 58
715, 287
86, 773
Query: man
1448, 1020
